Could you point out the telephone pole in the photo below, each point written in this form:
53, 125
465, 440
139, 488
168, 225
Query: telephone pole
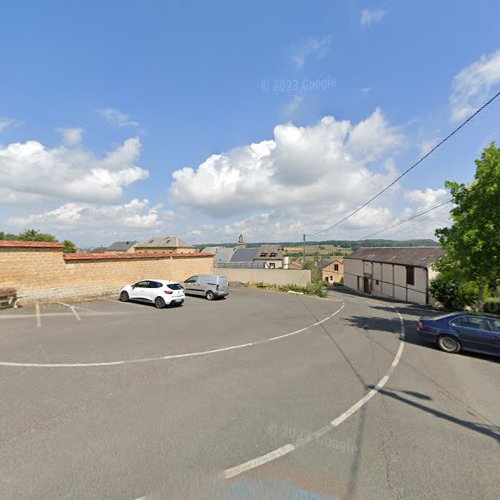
304, 240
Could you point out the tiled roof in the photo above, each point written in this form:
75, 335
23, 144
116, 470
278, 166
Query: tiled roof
267, 252
121, 246
244, 255
108, 256
29, 244
224, 255
325, 263
406, 256
211, 249
165, 242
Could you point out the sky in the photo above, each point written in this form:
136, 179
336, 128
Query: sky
127, 119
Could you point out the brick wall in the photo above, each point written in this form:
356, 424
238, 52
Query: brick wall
45, 273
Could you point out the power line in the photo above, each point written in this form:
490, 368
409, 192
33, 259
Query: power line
409, 169
408, 219
392, 233
400, 230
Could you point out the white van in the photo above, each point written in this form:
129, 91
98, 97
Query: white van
210, 286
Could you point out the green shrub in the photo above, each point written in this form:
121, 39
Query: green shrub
492, 305
452, 293
318, 289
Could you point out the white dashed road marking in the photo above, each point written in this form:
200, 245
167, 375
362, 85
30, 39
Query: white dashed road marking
252, 464
288, 448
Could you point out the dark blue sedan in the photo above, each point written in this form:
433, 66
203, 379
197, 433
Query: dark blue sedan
463, 331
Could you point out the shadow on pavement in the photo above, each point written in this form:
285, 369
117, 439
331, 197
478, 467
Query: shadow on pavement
410, 310
492, 431
387, 325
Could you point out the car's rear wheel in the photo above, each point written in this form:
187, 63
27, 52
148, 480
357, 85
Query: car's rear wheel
160, 303
124, 296
210, 295
449, 344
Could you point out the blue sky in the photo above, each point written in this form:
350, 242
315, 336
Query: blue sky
162, 86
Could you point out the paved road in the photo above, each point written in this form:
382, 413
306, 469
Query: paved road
96, 403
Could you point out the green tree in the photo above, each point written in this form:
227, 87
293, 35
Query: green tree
472, 243
35, 235
69, 246
8, 236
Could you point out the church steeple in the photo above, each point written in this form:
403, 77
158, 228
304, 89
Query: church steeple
241, 242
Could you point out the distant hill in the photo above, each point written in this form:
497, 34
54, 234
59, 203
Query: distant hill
340, 243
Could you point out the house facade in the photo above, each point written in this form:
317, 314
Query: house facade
169, 244
400, 273
332, 271
270, 255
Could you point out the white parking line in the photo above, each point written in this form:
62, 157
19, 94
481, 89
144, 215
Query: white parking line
130, 303
46, 315
288, 448
37, 313
169, 356
73, 310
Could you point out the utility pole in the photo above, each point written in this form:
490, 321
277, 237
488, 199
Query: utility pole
304, 240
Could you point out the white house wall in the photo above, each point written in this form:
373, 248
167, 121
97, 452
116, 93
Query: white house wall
416, 296
353, 266
377, 271
400, 276
387, 274
387, 280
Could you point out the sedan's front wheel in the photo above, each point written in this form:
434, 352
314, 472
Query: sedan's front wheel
449, 344
160, 303
124, 296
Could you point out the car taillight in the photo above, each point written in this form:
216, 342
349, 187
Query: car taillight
168, 292
420, 326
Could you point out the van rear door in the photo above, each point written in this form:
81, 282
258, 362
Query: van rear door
222, 282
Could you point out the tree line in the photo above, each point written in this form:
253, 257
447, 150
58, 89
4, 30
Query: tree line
35, 235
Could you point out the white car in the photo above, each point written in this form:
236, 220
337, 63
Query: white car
161, 293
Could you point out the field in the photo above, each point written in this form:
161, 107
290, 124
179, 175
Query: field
317, 252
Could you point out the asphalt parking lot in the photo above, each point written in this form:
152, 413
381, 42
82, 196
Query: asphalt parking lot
261, 395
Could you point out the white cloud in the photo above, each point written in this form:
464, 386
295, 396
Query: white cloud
427, 144
134, 214
92, 224
292, 105
301, 179
425, 225
69, 171
316, 47
427, 198
290, 223
117, 117
369, 17
472, 85
71, 136
6, 122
